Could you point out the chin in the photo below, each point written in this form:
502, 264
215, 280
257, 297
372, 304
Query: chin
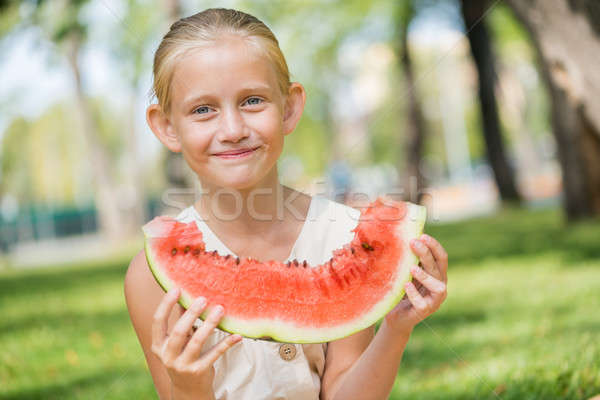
241, 183
236, 178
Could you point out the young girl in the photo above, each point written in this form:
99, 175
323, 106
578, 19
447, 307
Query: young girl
226, 102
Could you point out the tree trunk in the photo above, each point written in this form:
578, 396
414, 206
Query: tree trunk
175, 166
106, 200
481, 50
566, 36
135, 207
413, 181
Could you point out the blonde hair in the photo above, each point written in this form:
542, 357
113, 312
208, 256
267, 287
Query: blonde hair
208, 26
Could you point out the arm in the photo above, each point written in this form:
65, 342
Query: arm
341, 356
143, 295
360, 369
371, 375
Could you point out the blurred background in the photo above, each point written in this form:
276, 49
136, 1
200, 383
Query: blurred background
487, 112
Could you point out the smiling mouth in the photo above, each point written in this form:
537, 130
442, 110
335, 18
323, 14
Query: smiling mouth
236, 153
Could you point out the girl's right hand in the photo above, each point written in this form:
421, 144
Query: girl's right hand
191, 372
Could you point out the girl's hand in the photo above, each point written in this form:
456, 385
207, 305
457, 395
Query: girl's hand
191, 372
427, 291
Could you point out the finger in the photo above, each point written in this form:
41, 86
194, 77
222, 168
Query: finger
418, 302
424, 254
179, 335
441, 256
161, 316
435, 286
194, 347
218, 350
419, 287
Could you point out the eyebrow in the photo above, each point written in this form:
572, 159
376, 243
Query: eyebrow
207, 96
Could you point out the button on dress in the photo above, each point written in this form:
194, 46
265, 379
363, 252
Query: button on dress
258, 369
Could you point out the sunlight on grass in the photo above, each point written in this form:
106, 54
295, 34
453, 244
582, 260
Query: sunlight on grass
520, 321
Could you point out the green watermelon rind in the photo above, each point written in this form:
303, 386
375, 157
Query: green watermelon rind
410, 228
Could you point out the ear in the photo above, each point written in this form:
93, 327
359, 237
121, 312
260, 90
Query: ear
160, 124
293, 108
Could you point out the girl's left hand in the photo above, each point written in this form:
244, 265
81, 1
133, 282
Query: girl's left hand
427, 291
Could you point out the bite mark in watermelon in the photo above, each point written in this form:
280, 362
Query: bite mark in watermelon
294, 302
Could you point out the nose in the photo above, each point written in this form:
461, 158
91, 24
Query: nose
233, 127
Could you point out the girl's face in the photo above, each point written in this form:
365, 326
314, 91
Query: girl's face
228, 116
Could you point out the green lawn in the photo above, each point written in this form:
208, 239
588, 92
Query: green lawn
521, 321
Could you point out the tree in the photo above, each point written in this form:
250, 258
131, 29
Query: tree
317, 55
566, 36
43, 160
473, 12
59, 21
133, 38
413, 181
176, 168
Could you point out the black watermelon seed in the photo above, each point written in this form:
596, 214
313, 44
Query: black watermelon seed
214, 253
352, 250
227, 256
174, 251
289, 263
237, 260
187, 248
304, 263
295, 262
366, 246
196, 252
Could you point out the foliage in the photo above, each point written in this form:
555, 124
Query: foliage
13, 168
313, 36
309, 142
43, 160
135, 33
521, 287
517, 53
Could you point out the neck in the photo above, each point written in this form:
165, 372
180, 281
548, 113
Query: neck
244, 210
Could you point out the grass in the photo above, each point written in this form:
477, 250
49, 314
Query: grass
520, 321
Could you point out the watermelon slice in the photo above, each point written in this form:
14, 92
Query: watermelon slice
294, 302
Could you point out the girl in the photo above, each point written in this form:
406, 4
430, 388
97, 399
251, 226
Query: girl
226, 102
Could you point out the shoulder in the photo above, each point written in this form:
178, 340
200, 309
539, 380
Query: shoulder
136, 272
140, 286
142, 292
333, 217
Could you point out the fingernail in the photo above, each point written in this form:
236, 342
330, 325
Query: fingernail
199, 302
174, 291
236, 338
415, 270
219, 310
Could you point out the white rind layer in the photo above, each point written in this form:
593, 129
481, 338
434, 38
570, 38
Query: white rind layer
284, 331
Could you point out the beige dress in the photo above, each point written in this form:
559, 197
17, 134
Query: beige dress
259, 369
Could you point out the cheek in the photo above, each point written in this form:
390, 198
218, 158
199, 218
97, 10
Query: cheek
194, 144
192, 137
197, 141
267, 124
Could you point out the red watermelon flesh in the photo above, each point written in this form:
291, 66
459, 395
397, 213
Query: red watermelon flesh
294, 302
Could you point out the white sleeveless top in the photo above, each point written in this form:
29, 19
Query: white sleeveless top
254, 369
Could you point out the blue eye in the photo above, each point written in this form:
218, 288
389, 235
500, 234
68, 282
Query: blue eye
254, 101
202, 110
